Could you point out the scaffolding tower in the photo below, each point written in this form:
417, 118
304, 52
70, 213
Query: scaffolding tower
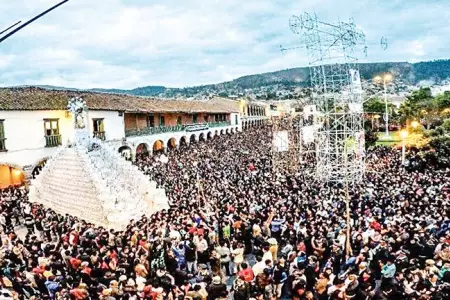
336, 96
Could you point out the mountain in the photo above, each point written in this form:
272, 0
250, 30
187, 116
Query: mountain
283, 83
141, 91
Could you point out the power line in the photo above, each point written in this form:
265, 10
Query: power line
14, 25
32, 20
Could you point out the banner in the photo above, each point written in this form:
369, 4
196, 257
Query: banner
196, 127
308, 134
355, 80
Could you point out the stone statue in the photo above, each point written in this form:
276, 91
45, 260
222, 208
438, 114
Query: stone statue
77, 106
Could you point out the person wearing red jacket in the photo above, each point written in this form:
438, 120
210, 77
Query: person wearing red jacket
246, 273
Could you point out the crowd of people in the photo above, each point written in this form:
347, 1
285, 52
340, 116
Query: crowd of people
238, 230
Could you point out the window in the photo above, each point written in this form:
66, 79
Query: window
51, 127
99, 130
98, 125
179, 120
52, 137
206, 118
162, 121
150, 121
2, 136
236, 120
195, 118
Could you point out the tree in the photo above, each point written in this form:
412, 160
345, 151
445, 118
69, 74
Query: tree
375, 106
446, 125
421, 105
443, 100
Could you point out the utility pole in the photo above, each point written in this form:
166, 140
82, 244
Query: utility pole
30, 21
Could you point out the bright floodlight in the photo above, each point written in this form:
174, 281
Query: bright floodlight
388, 77
403, 134
415, 124
385, 78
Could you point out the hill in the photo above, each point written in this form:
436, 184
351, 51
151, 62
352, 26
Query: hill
283, 83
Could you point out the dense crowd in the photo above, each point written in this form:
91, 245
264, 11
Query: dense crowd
238, 230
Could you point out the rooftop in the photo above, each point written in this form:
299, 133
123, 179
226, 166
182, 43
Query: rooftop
33, 98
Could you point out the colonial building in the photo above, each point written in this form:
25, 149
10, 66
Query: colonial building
253, 112
35, 122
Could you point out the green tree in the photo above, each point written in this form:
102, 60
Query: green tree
375, 106
443, 100
420, 105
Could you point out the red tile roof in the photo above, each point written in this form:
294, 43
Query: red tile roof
32, 98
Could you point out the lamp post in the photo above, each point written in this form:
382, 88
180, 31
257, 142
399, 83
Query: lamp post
385, 79
403, 135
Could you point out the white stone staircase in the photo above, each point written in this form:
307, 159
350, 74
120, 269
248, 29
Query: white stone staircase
96, 185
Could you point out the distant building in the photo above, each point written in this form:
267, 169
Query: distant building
253, 112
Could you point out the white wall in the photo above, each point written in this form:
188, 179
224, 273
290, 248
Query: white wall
239, 120
25, 129
25, 133
113, 123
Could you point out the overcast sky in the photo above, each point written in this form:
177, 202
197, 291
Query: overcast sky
176, 43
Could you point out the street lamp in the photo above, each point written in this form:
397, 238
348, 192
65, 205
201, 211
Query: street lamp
403, 135
386, 78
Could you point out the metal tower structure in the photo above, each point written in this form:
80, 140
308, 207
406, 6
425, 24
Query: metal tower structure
336, 96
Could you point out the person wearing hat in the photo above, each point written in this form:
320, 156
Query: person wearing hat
216, 288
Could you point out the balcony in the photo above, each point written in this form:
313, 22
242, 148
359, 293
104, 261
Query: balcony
176, 128
52, 140
219, 124
99, 135
3, 145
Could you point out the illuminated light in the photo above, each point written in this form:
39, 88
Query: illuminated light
403, 134
377, 78
16, 172
388, 77
415, 124
376, 116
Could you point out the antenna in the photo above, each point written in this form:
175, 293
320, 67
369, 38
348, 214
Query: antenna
32, 20
14, 25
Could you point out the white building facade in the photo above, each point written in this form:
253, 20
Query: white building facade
32, 131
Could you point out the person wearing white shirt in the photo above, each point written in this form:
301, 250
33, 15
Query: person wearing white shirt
238, 257
202, 249
259, 267
225, 258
